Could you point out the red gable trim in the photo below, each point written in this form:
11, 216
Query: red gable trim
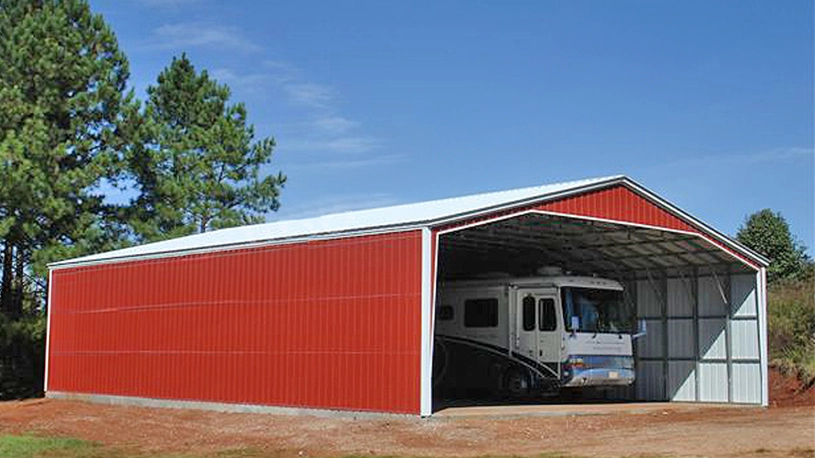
615, 203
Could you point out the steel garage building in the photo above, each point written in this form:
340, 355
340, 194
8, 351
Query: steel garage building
337, 312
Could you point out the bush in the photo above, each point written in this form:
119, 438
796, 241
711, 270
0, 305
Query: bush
22, 356
792, 328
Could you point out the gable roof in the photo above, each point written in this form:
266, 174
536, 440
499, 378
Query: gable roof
398, 217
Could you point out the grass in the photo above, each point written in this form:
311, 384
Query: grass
35, 446
32, 446
792, 328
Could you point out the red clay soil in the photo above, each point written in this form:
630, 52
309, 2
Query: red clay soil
789, 391
679, 431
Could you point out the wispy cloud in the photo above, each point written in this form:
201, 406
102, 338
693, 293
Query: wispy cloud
345, 145
773, 155
324, 138
335, 204
168, 3
310, 95
280, 71
199, 35
781, 155
351, 163
333, 124
244, 82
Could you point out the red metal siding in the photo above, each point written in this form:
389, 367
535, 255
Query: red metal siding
326, 324
617, 203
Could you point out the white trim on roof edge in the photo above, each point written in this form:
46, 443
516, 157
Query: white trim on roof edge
386, 219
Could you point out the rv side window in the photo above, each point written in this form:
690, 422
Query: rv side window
481, 313
444, 313
548, 318
528, 313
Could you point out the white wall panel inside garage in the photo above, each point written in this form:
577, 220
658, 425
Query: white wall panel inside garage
703, 337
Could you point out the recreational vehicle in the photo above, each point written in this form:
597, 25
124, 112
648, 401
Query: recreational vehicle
532, 336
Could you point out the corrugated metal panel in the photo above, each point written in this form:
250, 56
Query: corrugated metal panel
743, 295
744, 339
682, 381
648, 303
747, 383
712, 342
711, 302
618, 204
650, 384
650, 345
713, 382
326, 324
680, 338
680, 298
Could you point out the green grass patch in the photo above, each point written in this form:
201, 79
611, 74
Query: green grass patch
35, 446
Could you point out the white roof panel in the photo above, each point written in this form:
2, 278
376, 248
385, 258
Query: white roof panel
407, 215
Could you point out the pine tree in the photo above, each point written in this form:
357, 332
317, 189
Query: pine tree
197, 166
62, 99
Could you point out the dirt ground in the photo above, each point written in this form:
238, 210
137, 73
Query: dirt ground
779, 431
788, 391
787, 428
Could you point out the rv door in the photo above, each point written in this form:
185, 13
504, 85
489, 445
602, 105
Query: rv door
536, 324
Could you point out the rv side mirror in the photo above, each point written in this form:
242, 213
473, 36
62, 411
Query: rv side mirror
575, 324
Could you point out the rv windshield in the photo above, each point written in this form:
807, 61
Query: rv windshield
594, 310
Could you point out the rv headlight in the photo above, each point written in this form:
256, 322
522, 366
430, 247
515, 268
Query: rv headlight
575, 361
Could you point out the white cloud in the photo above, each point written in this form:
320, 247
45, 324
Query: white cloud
245, 82
168, 3
324, 132
310, 95
282, 71
199, 35
335, 204
774, 155
354, 163
781, 154
334, 124
343, 145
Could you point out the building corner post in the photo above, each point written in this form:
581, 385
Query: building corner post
426, 371
48, 329
763, 316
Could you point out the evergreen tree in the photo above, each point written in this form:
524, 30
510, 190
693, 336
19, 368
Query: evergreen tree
768, 233
62, 84
197, 166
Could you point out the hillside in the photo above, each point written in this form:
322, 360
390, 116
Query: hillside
792, 342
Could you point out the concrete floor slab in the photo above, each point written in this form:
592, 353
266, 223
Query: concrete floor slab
559, 410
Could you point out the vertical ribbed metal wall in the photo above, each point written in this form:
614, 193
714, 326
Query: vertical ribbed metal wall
325, 324
703, 344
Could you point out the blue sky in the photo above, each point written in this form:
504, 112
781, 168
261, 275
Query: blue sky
376, 103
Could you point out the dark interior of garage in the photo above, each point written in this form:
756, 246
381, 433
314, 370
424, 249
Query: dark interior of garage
643, 259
